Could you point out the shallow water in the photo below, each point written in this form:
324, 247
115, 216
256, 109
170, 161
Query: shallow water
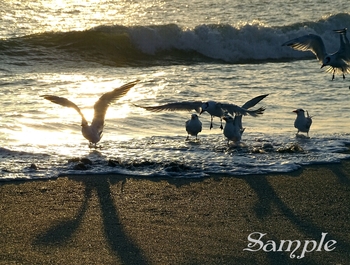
82, 51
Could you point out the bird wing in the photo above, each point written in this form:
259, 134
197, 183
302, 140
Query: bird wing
343, 54
251, 103
343, 38
64, 102
176, 106
105, 100
310, 42
236, 110
237, 120
308, 122
232, 109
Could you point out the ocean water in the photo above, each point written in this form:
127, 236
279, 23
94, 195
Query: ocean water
228, 51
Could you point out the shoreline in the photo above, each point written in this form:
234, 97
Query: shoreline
116, 219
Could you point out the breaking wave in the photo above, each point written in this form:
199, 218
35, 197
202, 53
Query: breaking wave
170, 44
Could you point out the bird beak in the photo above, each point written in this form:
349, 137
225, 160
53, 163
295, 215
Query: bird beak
201, 112
323, 65
295, 111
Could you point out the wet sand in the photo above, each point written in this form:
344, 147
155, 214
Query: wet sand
113, 219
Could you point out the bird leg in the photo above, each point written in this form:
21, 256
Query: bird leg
211, 122
94, 145
333, 75
221, 124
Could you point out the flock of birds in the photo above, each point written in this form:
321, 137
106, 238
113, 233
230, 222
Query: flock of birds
338, 62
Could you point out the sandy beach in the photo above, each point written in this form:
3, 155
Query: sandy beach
113, 219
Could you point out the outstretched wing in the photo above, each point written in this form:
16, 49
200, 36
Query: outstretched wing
251, 103
310, 42
105, 100
344, 51
64, 102
177, 106
236, 110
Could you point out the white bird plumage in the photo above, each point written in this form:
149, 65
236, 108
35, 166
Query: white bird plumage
302, 122
193, 126
93, 132
232, 129
338, 62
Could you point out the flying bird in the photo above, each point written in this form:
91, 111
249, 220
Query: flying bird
302, 122
193, 126
215, 109
232, 129
93, 132
338, 62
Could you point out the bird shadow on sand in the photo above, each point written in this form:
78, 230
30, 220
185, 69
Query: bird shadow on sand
64, 230
123, 247
118, 241
269, 200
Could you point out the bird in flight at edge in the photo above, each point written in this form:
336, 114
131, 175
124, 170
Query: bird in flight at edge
338, 62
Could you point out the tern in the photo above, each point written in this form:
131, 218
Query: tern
232, 129
215, 109
338, 62
93, 132
302, 122
193, 126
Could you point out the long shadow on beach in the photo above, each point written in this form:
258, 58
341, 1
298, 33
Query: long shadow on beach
268, 197
122, 246
64, 230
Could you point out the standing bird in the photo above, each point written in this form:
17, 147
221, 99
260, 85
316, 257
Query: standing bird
93, 132
232, 130
215, 109
193, 126
301, 122
338, 62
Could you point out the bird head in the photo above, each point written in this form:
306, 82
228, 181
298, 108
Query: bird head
194, 116
204, 107
84, 123
326, 61
297, 111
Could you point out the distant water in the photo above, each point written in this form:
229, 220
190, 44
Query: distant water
226, 51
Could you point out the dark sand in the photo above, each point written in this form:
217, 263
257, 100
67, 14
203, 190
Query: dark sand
125, 220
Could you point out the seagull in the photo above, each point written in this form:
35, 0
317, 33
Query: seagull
301, 122
215, 109
232, 130
193, 126
338, 62
93, 132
